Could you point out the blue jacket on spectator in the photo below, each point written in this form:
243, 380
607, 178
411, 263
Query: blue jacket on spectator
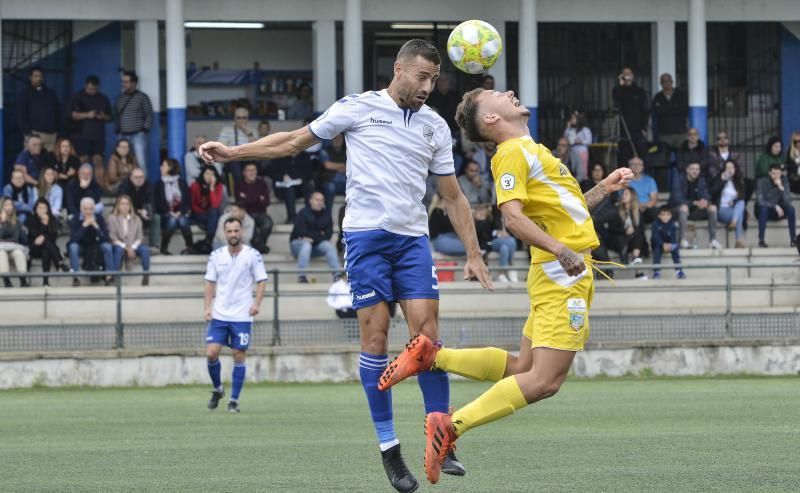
684, 191
34, 164
664, 233
91, 235
37, 109
315, 225
75, 193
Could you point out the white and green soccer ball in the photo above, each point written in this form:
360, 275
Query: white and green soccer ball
474, 46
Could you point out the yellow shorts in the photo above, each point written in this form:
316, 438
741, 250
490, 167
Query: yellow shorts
559, 316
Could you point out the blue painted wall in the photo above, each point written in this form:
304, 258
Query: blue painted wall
533, 122
790, 85
698, 118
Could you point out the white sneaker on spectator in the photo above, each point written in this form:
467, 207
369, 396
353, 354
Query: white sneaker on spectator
513, 276
714, 245
636, 261
642, 277
684, 243
502, 278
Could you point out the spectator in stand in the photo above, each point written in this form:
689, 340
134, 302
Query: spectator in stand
90, 110
626, 231
579, 136
88, 238
442, 234
665, 240
65, 161
139, 189
772, 155
42, 237
602, 215
292, 178
793, 163
340, 298
445, 100
693, 150
483, 154
493, 236
690, 199
719, 155
313, 228
332, 174
120, 166
207, 202
173, 205
236, 210
23, 197
730, 200
264, 128
193, 163
632, 103
774, 202
670, 113
302, 107
488, 82
127, 236
51, 191
241, 132
134, 116
11, 243
33, 159
563, 154
253, 194
646, 190
38, 111
475, 187
84, 186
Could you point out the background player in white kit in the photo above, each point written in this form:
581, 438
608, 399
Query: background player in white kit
231, 272
393, 142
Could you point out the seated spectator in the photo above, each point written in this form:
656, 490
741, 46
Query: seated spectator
33, 159
120, 166
23, 196
483, 154
646, 190
774, 202
11, 243
793, 163
173, 204
730, 200
563, 154
313, 228
207, 203
126, 234
84, 186
88, 238
626, 230
719, 155
690, 199
664, 239
248, 226
476, 188
292, 178
50, 190
772, 155
65, 161
332, 177
443, 236
42, 238
302, 106
493, 236
340, 299
693, 150
139, 189
193, 163
605, 208
579, 136
253, 193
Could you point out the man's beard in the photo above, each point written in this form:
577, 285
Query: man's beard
233, 242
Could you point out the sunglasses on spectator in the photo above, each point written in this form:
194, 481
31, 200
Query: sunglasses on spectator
796, 141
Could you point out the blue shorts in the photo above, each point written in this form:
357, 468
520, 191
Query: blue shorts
235, 335
384, 266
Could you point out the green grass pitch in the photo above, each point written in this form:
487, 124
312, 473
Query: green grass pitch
623, 435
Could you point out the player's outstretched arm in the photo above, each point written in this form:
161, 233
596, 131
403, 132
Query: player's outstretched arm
208, 298
614, 182
460, 215
272, 146
260, 286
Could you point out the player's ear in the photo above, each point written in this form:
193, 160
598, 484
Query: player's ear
490, 118
398, 68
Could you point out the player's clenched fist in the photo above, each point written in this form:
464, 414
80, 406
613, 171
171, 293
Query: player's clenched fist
617, 180
215, 152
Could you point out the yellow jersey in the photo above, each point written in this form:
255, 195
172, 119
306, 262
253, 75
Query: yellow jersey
526, 171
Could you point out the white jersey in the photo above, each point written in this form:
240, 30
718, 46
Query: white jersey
234, 277
390, 151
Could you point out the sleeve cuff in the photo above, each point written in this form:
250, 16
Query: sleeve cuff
444, 174
315, 134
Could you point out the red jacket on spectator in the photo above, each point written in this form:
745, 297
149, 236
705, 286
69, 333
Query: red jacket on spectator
205, 199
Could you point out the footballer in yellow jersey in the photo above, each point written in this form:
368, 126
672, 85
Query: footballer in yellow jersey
542, 205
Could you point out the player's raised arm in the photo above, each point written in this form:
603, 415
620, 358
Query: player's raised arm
614, 182
272, 146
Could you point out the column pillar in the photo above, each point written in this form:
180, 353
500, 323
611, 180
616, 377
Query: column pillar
324, 60
147, 68
529, 63
698, 72
353, 48
2, 130
176, 81
498, 71
663, 52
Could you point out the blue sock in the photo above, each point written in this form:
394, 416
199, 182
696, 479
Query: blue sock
239, 370
213, 371
435, 388
370, 368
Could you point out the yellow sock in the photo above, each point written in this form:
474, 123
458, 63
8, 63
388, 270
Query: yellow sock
502, 399
478, 364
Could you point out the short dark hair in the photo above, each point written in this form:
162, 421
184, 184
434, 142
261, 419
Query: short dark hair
239, 204
93, 80
248, 164
232, 219
777, 166
665, 208
36, 68
174, 166
420, 47
132, 75
467, 115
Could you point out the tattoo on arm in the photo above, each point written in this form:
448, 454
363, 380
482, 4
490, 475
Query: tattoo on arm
571, 262
594, 196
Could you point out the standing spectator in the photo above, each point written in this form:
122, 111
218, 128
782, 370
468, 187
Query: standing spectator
140, 190
563, 154
793, 163
193, 163
134, 116
632, 103
476, 188
65, 161
646, 190
730, 201
493, 235
207, 202
84, 186
445, 100
247, 226
579, 136
670, 113
33, 159
442, 234
690, 199
774, 202
173, 205
665, 240
693, 150
253, 193
126, 234
626, 231
90, 110
120, 166
11, 238
38, 111
232, 135
302, 107
88, 237
292, 178
719, 155
332, 174
311, 234
42, 238
772, 155
22, 196
51, 191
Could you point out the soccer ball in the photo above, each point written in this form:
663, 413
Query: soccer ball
474, 46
